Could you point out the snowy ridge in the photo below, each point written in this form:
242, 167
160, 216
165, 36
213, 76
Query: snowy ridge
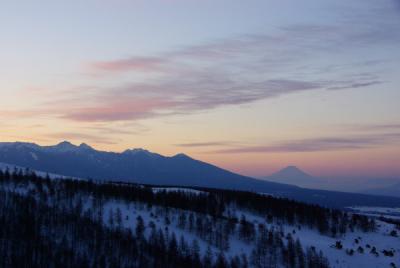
177, 189
10, 167
393, 213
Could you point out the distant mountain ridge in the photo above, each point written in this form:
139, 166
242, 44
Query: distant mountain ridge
142, 166
392, 190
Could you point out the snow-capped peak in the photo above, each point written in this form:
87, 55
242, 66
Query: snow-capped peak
64, 146
181, 155
140, 151
136, 150
85, 146
293, 171
67, 146
18, 145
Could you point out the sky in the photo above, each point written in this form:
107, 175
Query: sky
251, 86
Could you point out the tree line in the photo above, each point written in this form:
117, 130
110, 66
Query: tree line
46, 226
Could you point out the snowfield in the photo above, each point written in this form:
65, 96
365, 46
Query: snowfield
177, 189
393, 213
5, 166
380, 239
376, 209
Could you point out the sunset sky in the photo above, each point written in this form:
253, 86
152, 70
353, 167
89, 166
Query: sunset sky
251, 86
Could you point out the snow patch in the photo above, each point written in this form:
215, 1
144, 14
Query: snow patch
177, 189
34, 156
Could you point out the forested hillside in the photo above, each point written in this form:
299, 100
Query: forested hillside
77, 223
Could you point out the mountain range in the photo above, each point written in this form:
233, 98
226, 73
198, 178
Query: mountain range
142, 166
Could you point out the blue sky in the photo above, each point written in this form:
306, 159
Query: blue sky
248, 85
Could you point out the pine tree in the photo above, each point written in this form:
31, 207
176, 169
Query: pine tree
221, 261
118, 218
182, 220
173, 247
140, 227
208, 258
191, 222
183, 247
300, 254
291, 251
195, 251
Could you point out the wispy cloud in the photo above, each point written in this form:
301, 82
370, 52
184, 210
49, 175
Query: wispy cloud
142, 64
116, 110
386, 129
357, 85
319, 144
80, 137
206, 144
232, 71
120, 129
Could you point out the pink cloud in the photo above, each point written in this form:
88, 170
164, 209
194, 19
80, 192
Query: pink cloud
129, 64
226, 72
80, 137
116, 110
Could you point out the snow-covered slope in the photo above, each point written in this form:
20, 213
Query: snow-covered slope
10, 167
357, 246
380, 239
392, 213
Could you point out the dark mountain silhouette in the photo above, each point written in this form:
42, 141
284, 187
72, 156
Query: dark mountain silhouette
133, 165
295, 176
142, 166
